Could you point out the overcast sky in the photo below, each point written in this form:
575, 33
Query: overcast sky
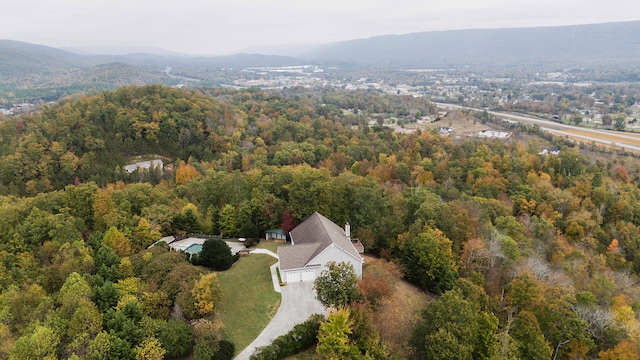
216, 27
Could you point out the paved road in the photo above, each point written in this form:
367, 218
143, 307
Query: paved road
621, 139
595, 139
298, 303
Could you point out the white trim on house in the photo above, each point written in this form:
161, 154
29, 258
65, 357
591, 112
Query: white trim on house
337, 247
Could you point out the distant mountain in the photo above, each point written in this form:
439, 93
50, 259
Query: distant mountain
18, 57
36, 72
120, 50
519, 46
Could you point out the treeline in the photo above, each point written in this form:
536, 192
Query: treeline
539, 254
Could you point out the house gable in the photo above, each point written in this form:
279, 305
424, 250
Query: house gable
337, 254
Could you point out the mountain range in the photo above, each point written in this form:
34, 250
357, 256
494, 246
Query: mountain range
29, 66
578, 44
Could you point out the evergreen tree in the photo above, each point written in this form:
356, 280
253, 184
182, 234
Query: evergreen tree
215, 254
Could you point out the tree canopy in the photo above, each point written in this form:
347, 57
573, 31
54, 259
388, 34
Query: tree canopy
337, 286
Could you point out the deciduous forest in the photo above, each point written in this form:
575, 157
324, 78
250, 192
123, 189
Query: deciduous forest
526, 256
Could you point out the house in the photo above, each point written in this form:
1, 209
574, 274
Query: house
144, 165
314, 243
494, 134
275, 234
552, 150
445, 130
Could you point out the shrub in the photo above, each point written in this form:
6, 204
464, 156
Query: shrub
303, 336
202, 351
215, 254
251, 242
226, 350
379, 281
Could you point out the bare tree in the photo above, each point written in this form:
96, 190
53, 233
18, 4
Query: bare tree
598, 320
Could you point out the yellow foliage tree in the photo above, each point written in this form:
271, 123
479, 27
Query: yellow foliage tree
124, 300
116, 241
144, 234
129, 286
624, 314
126, 267
625, 350
192, 207
206, 292
186, 173
150, 349
333, 336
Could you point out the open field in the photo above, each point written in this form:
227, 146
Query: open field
248, 300
608, 138
627, 138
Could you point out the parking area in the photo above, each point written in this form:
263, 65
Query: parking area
235, 246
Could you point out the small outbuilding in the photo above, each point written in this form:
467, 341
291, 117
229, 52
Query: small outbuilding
275, 234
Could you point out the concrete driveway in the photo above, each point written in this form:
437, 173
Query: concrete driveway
298, 303
235, 246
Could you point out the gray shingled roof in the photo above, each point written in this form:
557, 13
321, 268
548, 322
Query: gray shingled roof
295, 257
310, 238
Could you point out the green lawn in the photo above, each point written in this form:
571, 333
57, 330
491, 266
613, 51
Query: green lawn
248, 299
271, 245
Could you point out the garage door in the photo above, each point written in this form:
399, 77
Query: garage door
293, 276
308, 275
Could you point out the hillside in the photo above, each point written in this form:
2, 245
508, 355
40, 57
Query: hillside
579, 44
23, 64
18, 56
528, 254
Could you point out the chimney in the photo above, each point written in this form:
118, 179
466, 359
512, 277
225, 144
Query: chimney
347, 231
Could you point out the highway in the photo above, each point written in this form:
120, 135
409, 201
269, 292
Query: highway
605, 137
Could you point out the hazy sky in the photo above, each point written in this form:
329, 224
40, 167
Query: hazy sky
215, 27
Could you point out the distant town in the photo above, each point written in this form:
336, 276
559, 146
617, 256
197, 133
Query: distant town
571, 96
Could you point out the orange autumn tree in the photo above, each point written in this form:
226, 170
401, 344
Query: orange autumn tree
614, 247
186, 173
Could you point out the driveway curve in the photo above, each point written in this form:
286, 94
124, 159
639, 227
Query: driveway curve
298, 303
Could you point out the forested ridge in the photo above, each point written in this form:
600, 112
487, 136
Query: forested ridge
529, 256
